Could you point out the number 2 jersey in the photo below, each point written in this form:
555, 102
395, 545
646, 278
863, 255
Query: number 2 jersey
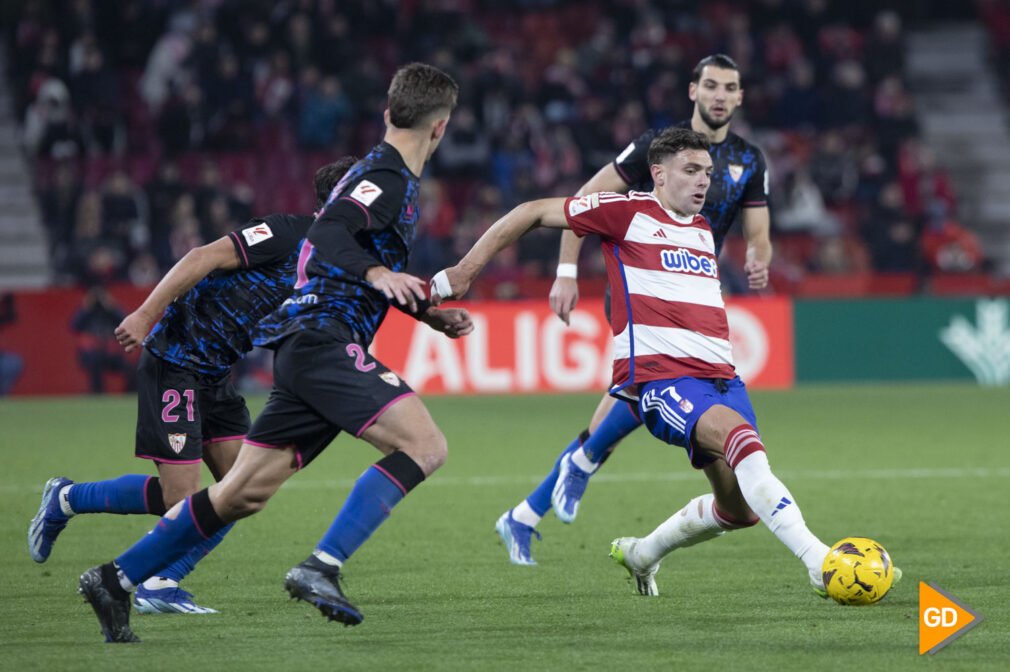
368, 220
739, 178
667, 311
210, 327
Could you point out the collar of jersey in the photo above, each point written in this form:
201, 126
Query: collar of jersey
677, 218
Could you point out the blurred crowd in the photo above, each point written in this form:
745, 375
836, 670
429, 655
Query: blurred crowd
157, 125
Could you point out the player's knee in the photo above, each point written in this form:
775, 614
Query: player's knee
174, 492
428, 448
247, 502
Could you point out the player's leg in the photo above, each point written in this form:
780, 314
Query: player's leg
224, 423
724, 431
256, 475
168, 431
413, 448
703, 518
612, 421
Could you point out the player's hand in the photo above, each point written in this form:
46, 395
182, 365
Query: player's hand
450, 283
563, 297
132, 331
757, 274
403, 288
453, 322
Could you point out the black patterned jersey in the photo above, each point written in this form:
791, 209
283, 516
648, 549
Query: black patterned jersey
373, 207
210, 327
739, 178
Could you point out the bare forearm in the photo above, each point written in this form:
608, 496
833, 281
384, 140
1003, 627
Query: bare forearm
760, 250
571, 245
502, 233
185, 275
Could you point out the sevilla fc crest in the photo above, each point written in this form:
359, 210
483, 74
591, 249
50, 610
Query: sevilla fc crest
177, 442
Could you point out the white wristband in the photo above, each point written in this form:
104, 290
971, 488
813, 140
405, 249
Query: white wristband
568, 271
440, 285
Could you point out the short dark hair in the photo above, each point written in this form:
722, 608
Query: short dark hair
329, 175
716, 60
417, 91
675, 139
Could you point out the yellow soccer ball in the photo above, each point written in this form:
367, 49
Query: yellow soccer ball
857, 571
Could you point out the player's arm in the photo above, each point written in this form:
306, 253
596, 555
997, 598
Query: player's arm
454, 282
371, 204
756, 223
197, 264
565, 290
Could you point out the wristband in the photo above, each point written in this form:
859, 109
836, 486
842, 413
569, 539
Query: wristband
440, 285
568, 271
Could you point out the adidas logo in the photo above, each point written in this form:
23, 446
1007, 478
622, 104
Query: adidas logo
783, 503
659, 234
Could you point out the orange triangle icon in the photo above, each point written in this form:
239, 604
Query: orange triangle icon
942, 618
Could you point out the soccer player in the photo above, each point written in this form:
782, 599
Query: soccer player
672, 355
188, 409
739, 184
324, 379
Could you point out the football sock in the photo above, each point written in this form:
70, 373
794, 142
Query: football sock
372, 498
170, 539
582, 461
620, 421
693, 524
184, 565
769, 498
123, 495
524, 514
539, 500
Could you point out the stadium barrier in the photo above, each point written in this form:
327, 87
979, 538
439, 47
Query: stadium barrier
520, 346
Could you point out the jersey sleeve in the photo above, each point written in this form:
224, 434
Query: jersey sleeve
597, 213
633, 164
372, 203
755, 194
264, 241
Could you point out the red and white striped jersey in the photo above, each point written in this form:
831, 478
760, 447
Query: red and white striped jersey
667, 312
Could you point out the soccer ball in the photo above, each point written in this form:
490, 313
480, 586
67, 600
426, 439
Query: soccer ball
857, 571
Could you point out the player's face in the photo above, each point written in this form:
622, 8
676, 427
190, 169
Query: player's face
716, 95
682, 181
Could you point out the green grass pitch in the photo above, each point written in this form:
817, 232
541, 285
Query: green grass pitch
922, 469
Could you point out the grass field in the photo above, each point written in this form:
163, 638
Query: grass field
923, 469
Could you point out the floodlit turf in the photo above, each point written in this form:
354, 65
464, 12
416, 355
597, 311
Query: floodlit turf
922, 469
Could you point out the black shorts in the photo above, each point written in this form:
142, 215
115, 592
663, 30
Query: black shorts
323, 386
180, 411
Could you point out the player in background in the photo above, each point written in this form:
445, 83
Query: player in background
324, 379
739, 184
672, 356
188, 409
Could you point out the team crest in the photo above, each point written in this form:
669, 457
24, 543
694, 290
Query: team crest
686, 406
390, 377
177, 441
735, 171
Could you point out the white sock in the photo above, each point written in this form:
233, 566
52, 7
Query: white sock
774, 504
524, 513
63, 497
691, 525
582, 461
159, 582
326, 558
